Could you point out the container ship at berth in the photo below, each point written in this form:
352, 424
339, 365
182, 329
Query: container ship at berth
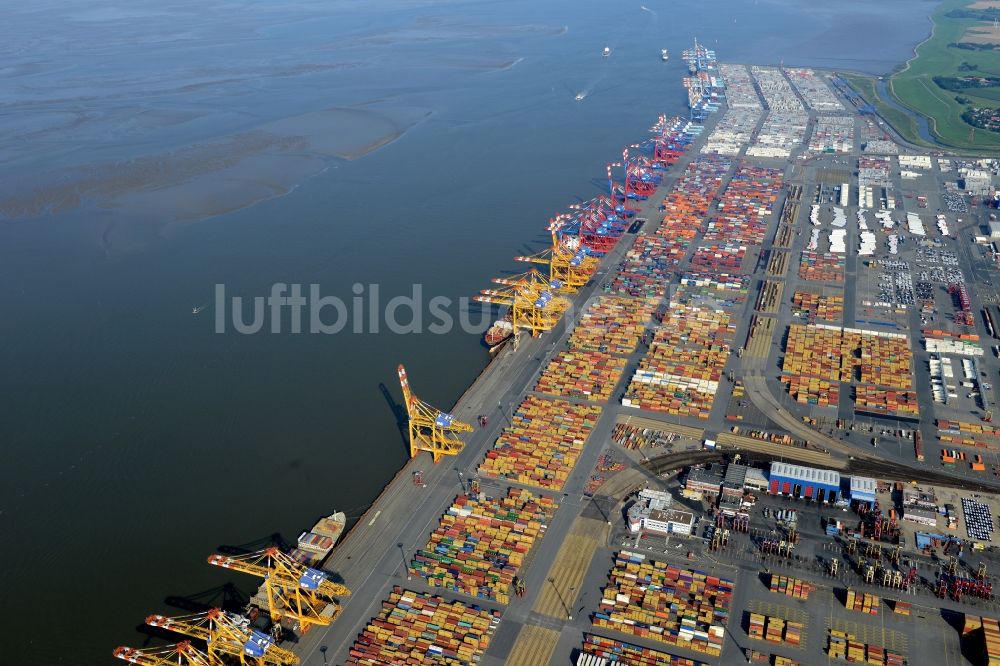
500, 332
705, 86
318, 542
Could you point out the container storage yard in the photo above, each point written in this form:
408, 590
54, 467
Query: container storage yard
415, 628
785, 123
542, 444
613, 325
648, 266
598, 651
661, 602
824, 267
481, 543
814, 90
812, 306
680, 374
589, 375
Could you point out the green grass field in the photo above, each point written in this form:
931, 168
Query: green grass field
914, 86
901, 122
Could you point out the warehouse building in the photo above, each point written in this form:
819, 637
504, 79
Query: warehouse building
862, 489
655, 499
704, 481
733, 485
920, 516
652, 512
921, 499
822, 485
671, 521
756, 479
994, 227
976, 182
666, 521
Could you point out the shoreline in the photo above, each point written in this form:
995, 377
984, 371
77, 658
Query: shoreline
889, 97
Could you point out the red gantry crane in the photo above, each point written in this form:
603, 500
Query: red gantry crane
641, 180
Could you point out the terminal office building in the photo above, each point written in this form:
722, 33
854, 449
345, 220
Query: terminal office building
821, 485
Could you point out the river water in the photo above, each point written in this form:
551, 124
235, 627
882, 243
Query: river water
153, 150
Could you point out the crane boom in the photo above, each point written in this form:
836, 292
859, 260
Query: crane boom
183, 654
304, 594
225, 637
431, 429
531, 298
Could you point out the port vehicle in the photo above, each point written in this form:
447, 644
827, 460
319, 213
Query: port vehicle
607, 51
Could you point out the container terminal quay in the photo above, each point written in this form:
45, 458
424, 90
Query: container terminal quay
740, 411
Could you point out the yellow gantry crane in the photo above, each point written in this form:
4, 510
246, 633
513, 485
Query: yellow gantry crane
183, 654
531, 299
431, 429
570, 267
294, 591
227, 639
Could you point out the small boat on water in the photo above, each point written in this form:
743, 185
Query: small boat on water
664, 55
607, 51
580, 96
197, 309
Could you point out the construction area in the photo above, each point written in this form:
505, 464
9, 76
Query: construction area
764, 435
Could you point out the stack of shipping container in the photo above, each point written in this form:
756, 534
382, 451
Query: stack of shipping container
612, 325
862, 602
542, 444
680, 374
481, 543
792, 587
589, 375
608, 652
418, 629
984, 634
813, 306
661, 602
821, 267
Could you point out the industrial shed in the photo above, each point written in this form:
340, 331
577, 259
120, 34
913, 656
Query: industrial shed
822, 485
863, 489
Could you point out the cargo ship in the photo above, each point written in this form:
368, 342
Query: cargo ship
316, 544
499, 333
